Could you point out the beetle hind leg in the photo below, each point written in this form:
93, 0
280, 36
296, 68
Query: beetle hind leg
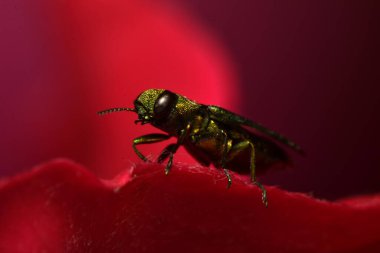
237, 149
224, 158
252, 166
229, 179
264, 197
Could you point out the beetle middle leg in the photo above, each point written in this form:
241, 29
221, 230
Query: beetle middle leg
168, 152
147, 139
171, 149
221, 146
237, 149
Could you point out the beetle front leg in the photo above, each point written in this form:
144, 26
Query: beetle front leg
147, 139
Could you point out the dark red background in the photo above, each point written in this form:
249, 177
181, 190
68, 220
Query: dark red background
307, 69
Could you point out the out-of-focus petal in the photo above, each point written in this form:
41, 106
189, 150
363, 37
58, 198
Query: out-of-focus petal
65, 60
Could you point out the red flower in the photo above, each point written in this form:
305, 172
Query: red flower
73, 58
85, 56
61, 207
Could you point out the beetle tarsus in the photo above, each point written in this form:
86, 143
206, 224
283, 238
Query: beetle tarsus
169, 164
229, 179
264, 196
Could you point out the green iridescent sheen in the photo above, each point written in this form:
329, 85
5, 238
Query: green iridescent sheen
211, 134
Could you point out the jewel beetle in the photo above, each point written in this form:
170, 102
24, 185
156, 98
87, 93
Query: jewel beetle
211, 134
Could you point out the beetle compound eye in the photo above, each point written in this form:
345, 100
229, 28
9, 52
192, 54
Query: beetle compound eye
164, 104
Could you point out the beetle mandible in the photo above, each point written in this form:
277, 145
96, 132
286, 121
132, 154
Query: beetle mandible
211, 134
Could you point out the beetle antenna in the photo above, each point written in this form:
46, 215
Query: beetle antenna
119, 109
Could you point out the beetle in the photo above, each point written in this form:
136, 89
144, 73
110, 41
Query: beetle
211, 134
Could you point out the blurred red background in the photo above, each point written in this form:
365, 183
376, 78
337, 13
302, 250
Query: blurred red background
66, 60
306, 69
310, 69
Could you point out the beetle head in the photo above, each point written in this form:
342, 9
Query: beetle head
155, 105
151, 106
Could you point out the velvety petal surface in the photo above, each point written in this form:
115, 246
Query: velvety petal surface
62, 207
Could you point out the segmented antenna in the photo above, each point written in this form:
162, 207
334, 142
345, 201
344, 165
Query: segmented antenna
119, 109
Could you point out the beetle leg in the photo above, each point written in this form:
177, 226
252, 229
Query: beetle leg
171, 149
205, 121
224, 157
229, 180
147, 139
253, 175
222, 147
166, 152
169, 164
239, 147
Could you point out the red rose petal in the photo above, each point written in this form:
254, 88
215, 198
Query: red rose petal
61, 207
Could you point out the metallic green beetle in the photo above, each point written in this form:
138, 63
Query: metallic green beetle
211, 134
